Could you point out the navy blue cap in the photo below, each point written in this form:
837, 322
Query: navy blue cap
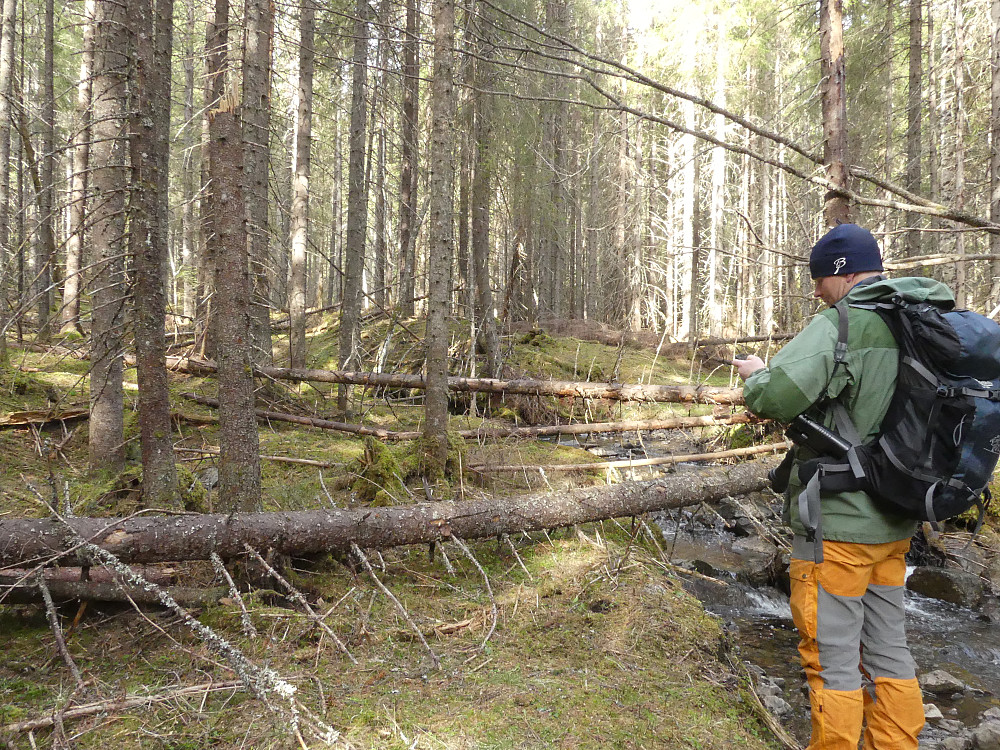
847, 248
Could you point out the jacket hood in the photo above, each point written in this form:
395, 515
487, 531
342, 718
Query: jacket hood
910, 288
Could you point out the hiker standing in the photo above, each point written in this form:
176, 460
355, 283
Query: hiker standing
847, 568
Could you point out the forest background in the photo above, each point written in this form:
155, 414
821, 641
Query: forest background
203, 169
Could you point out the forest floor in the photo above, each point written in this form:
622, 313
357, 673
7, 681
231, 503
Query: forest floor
581, 639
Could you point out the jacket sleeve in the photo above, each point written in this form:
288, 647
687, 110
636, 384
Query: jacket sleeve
797, 375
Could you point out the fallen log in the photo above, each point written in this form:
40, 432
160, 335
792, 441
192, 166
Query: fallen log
634, 463
97, 591
646, 425
686, 394
145, 539
42, 417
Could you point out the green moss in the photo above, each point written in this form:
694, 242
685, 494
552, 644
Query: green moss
378, 475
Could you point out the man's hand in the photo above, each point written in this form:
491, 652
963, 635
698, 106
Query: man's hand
747, 367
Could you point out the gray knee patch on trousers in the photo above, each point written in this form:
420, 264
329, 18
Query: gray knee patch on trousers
884, 652
838, 634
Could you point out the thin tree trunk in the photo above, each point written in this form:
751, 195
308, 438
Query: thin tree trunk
189, 233
960, 120
109, 178
834, 104
994, 182
440, 241
914, 118
6, 96
300, 186
70, 314
357, 207
149, 140
46, 252
256, 123
408, 157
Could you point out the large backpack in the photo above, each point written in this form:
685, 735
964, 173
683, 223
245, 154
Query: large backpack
939, 442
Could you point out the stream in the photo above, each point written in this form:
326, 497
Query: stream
741, 578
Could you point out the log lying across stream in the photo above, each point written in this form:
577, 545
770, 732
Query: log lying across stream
685, 394
147, 539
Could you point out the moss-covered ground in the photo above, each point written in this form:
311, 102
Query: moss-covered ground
595, 644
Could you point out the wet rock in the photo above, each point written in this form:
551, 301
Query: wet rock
777, 705
951, 726
759, 560
932, 712
991, 714
955, 743
955, 586
990, 608
940, 682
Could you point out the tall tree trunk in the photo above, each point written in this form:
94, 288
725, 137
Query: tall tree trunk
80, 147
46, 251
150, 138
481, 190
439, 256
256, 123
357, 207
300, 185
107, 218
914, 102
408, 157
994, 182
685, 268
713, 300
960, 120
239, 460
834, 103
6, 96
189, 254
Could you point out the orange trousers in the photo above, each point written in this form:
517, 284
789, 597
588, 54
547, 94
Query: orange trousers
849, 613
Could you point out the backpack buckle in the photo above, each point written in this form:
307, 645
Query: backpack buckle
944, 391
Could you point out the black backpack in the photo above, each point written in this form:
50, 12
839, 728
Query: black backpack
939, 442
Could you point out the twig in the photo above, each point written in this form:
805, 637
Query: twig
295, 595
489, 589
518, 557
220, 568
50, 609
119, 704
399, 605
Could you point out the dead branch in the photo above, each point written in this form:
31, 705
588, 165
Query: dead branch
65, 591
116, 705
523, 386
399, 605
634, 462
53, 616
489, 589
147, 539
248, 628
296, 596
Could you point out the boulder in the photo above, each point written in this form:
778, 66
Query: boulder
940, 682
955, 586
955, 743
777, 706
932, 712
986, 736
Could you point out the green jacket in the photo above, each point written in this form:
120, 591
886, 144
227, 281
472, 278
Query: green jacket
798, 374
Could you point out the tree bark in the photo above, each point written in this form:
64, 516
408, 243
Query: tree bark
994, 178
6, 96
146, 539
408, 161
70, 313
440, 240
150, 138
46, 251
300, 186
914, 110
239, 464
256, 123
834, 104
109, 177
357, 206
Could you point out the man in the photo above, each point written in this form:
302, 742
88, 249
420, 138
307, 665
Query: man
847, 596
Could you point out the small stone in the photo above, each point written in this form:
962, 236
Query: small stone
932, 712
991, 714
940, 682
777, 706
955, 743
778, 682
765, 687
951, 726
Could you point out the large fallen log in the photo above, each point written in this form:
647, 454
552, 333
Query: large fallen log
687, 394
194, 537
